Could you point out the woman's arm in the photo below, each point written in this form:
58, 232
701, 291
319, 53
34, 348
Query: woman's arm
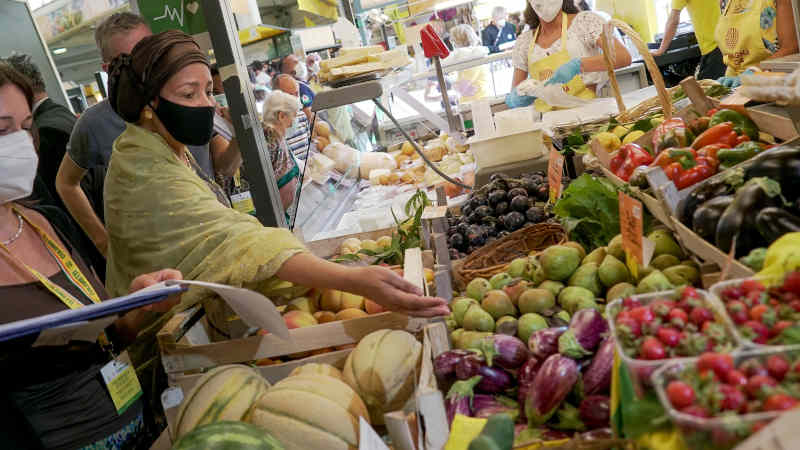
225, 155
68, 185
519, 77
377, 283
598, 63
787, 39
129, 325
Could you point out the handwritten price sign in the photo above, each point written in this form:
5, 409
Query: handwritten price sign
555, 169
630, 224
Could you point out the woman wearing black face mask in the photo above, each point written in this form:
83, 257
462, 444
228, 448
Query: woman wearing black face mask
159, 212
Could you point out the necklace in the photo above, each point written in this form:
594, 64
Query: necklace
16, 235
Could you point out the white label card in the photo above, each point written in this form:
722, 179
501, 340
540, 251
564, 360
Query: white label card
368, 439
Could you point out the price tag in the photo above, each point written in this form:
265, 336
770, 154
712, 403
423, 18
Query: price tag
555, 169
368, 439
121, 381
630, 224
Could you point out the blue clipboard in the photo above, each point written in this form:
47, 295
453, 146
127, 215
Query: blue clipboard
106, 308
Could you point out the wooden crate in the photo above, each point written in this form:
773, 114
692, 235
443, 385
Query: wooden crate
328, 248
708, 252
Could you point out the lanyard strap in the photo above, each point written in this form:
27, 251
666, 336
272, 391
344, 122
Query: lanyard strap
65, 263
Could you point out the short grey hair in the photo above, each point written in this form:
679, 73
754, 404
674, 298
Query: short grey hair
279, 101
464, 36
119, 22
24, 64
499, 12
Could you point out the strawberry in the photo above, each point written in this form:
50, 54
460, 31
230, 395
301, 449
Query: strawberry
751, 286
757, 331
643, 314
669, 336
757, 311
733, 399
630, 303
780, 326
699, 315
792, 282
629, 326
795, 305
777, 366
689, 292
652, 348
719, 363
696, 410
752, 367
759, 385
733, 293
680, 394
715, 331
662, 307
779, 402
735, 378
678, 314
754, 298
738, 312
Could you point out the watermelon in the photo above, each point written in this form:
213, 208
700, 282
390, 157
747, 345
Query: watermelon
225, 393
228, 435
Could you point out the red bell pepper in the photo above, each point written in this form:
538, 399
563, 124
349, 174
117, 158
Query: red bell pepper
718, 134
627, 159
685, 168
671, 133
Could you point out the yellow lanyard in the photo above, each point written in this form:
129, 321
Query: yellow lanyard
65, 263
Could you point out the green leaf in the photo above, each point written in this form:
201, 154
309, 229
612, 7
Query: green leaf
642, 125
589, 210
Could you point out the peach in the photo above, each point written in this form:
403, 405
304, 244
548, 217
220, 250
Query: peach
331, 300
302, 304
372, 307
352, 301
350, 313
325, 316
299, 319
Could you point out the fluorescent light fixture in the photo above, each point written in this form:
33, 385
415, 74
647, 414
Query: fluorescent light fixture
60, 51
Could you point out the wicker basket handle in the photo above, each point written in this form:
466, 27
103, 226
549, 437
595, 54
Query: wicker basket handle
610, 55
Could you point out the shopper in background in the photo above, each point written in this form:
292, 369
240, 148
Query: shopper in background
562, 47
53, 396
291, 65
260, 72
89, 147
53, 122
704, 15
280, 111
499, 31
296, 136
312, 62
751, 31
160, 212
516, 20
473, 83
217, 89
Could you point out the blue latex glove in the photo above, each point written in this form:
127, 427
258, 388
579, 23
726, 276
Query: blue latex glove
515, 100
733, 82
566, 72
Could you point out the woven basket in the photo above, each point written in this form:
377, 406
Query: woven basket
495, 257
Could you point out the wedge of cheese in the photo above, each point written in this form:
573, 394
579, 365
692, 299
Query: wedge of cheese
350, 57
398, 54
363, 51
358, 69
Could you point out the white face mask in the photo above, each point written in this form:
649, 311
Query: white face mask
500, 23
18, 163
547, 10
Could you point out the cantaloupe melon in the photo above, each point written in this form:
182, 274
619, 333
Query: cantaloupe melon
310, 411
317, 369
228, 436
381, 370
224, 393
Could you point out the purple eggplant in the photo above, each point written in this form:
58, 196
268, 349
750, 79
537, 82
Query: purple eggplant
597, 378
444, 365
527, 372
507, 351
484, 406
460, 397
467, 366
586, 329
544, 343
495, 380
553, 382
595, 411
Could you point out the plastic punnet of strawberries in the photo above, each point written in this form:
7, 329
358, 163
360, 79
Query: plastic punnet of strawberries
666, 328
766, 316
716, 387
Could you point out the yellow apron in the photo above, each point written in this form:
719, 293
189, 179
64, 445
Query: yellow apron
544, 68
742, 30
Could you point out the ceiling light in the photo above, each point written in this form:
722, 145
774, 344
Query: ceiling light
60, 51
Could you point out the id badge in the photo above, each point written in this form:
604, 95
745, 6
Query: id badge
121, 382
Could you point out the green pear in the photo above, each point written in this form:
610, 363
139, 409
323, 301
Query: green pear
613, 271
681, 275
620, 290
615, 248
476, 319
596, 256
506, 325
654, 282
460, 306
664, 261
587, 277
665, 244
553, 286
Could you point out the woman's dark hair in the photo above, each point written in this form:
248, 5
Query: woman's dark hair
533, 20
9, 75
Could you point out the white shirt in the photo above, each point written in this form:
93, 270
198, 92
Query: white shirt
263, 79
582, 35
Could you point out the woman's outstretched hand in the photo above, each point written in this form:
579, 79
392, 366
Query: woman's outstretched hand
390, 290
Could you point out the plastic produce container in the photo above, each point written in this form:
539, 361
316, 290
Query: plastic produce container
719, 304
641, 370
721, 432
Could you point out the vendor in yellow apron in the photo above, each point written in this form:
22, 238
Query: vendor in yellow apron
744, 32
544, 68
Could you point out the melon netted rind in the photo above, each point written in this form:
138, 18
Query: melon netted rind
228, 435
225, 393
317, 369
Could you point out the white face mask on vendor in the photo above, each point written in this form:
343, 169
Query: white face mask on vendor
18, 163
547, 10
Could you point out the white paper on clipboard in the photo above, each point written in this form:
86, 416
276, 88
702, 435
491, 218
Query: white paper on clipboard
79, 331
253, 308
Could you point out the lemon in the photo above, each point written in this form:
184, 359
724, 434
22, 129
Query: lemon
632, 136
609, 141
620, 131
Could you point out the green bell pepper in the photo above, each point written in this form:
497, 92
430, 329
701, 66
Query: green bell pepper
729, 157
497, 434
741, 123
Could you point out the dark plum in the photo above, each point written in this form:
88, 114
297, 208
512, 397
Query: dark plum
483, 211
466, 210
474, 218
535, 214
476, 236
462, 228
530, 186
519, 203
544, 192
498, 176
501, 208
478, 200
496, 197
513, 220
517, 191
457, 241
